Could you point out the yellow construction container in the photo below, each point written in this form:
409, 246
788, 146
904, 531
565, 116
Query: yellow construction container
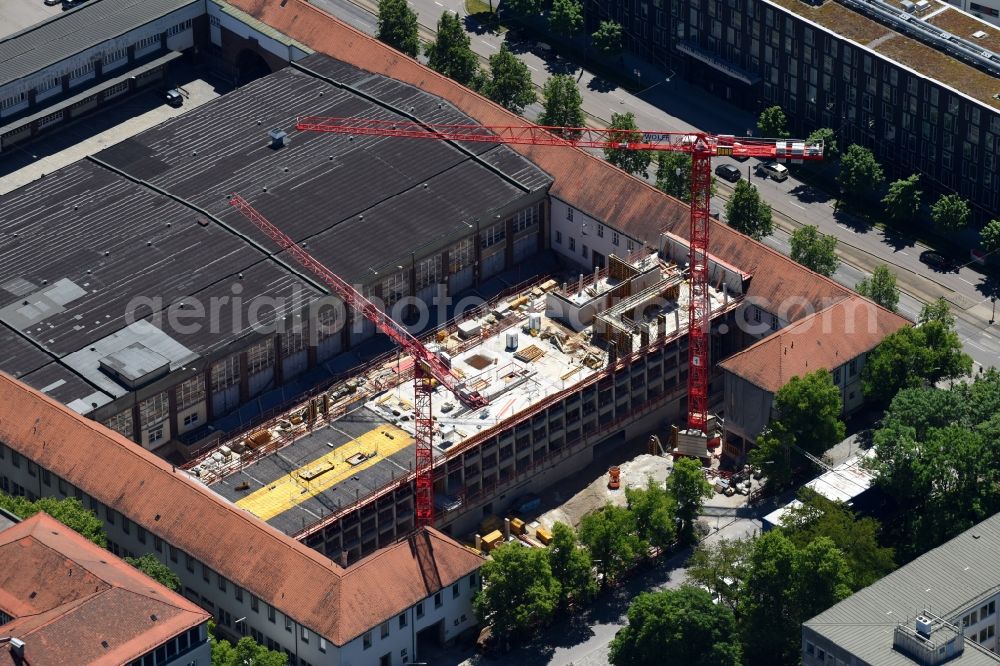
516, 526
543, 535
492, 540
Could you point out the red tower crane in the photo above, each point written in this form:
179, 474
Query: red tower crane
700, 145
427, 367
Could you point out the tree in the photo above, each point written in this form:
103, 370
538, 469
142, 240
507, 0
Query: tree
747, 213
719, 567
566, 17
785, 585
772, 453
829, 139
450, 53
809, 408
913, 357
936, 311
397, 26
681, 627
991, 236
902, 201
156, 570
880, 287
772, 123
673, 175
571, 566
610, 535
519, 591
246, 651
814, 250
563, 103
689, 489
635, 162
523, 7
654, 511
608, 38
70, 512
857, 538
950, 213
510, 81
860, 174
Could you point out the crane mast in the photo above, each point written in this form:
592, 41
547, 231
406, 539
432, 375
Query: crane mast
427, 367
700, 145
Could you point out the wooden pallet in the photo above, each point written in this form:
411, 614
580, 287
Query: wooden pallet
529, 354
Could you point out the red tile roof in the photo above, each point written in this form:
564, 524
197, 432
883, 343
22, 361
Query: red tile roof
585, 181
827, 339
336, 603
68, 595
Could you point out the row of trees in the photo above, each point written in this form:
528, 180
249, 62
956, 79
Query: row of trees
523, 588
71, 513
566, 19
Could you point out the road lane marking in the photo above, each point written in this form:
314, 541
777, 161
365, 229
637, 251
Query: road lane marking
489, 45
532, 68
905, 254
966, 281
796, 205
438, 3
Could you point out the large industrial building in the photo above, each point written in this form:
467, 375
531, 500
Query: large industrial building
916, 82
137, 297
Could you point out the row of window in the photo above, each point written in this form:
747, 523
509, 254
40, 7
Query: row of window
402, 620
987, 610
172, 649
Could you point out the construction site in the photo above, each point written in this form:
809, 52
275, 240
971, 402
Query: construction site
565, 367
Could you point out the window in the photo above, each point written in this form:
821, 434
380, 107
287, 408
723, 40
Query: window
110, 513
322, 644
305, 635
288, 623
383, 630
158, 543
141, 531
455, 591
254, 603
126, 525
836, 376
586, 252
115, 56
982, 635
429, 271
810, 649
190, 392
206, 573
121, 423
156, 434
293, 341
260, 356
756, 314
982, 611
461, 254
990, 630
992, 607
225, 373
569, 214
524, 219
493, 235
437, 600
270, 613
420, 610
238, 593
402, 620
189, 562
146, 42
385, 660
366, 640
153, 411
222, 582
173, 554
572, 244
61, 484
191, 419
600, 231
614, 238
558, 238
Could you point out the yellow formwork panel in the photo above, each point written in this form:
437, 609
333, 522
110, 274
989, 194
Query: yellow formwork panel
290, 490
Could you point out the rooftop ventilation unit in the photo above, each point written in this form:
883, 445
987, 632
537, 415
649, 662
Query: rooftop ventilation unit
922, 6
17, 648
279, 138
924, 626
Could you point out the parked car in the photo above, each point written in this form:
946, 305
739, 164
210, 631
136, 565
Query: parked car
173, 97
728, 172
772, 170
937, 260
52, 3
70, 4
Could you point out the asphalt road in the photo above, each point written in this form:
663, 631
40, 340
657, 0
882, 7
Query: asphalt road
670, 104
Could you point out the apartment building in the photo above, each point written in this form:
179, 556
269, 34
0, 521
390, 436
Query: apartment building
917, 83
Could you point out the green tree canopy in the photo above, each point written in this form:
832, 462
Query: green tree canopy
519, 591
610, 535
608, 38
562, 102
814, 250
857, 538
70, 512
902, 201
913, 357
681, 627
950, 213
156, 570
635, 162
991, 236
689, 489
566, 17
571, 566
246, 651
829, 139
509, 83
451, 53
772, 123
719, 567
936, 311
654, 511
523, 7
860, 174
809, 408
673, 175
397, 26
747, 213
784, 586
880, 287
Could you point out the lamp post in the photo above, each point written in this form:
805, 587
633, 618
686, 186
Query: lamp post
993, 317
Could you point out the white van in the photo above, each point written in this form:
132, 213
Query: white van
773, 170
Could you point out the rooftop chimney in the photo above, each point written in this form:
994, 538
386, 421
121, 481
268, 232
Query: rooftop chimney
17, 649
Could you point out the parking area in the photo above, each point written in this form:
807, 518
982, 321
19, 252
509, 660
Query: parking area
16, 15
24, 163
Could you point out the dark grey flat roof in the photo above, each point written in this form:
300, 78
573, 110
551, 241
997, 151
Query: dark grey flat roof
69, 33
946, 580
147, 220
311, 447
